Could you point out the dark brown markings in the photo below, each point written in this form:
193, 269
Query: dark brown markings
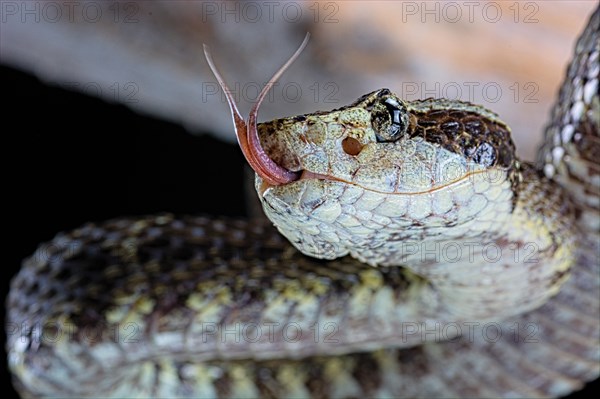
469, 134
316, 383
223, 385
367, 373
415, 359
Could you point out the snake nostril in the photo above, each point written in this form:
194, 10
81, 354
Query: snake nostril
351, 146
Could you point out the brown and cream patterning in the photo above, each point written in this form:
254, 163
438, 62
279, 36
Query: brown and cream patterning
448, 267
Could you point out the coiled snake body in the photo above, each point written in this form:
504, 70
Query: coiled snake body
498, 296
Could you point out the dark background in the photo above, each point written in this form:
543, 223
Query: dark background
71, 159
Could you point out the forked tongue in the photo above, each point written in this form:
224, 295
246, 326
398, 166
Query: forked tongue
247, 133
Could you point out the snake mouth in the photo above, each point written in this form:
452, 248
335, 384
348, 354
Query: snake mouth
308, 175
247, 132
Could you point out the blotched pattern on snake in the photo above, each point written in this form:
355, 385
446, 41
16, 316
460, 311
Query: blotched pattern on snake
453, 268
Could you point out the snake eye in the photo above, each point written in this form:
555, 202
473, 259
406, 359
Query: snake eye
389, 119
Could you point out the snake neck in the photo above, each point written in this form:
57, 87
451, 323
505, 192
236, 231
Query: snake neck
489, 252
529, 249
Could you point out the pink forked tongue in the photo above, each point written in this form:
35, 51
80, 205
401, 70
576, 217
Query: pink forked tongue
247, 134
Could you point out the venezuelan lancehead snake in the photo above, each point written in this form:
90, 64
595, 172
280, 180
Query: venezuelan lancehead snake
448, 267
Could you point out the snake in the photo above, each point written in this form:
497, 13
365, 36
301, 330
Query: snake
408, 252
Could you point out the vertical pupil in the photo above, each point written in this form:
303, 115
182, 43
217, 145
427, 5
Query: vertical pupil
390, 120
396, 116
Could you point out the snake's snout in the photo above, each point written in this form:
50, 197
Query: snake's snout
246, 132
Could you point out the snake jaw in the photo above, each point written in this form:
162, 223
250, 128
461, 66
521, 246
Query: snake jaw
247, 133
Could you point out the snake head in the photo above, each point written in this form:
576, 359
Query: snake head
352, 179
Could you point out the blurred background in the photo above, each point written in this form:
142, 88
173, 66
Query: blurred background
147, 55
114, 110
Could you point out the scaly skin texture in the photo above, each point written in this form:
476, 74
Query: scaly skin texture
199, 307
450, 185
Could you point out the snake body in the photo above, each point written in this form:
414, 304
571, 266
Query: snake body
498, 296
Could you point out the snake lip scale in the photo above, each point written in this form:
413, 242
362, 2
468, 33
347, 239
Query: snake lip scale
357, 186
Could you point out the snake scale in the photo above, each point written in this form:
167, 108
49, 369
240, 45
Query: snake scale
498, 296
